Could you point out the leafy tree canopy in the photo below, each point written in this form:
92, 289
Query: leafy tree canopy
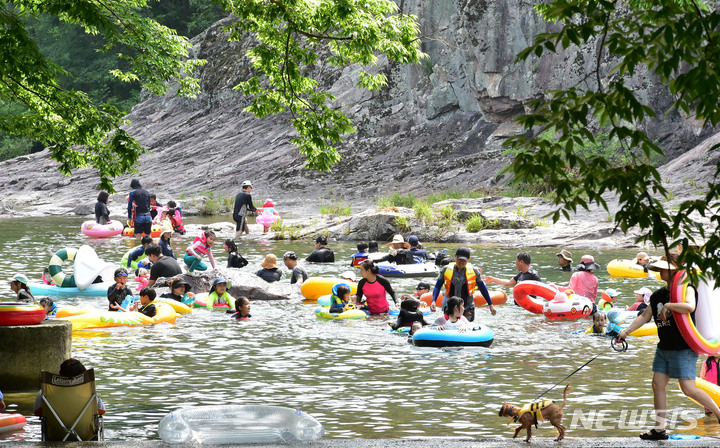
296, 36
79, 132
678, 41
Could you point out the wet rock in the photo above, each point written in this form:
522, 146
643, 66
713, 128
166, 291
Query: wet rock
243, 283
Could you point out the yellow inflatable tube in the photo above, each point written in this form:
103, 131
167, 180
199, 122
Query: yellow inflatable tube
711, 389
179, 307
649, 329
315, 287
629, 268
104, 319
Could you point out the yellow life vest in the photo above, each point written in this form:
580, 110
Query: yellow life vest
535, 408
469, 275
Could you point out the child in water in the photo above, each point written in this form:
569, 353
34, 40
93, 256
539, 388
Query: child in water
454, 319
410, 316
117, 293
142, 277
179, 291
242, 308
201, 246
175, 216
340, 298
710, 372
607, 299
146, 307
361, 254
49, 305
19, 285
218, 294
46, 277
235, 260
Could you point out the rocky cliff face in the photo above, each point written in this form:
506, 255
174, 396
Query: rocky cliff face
437, 125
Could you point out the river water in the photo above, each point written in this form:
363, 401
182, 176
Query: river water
353, 376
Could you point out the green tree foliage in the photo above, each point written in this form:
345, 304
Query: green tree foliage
679, 41
292, 36
79, 131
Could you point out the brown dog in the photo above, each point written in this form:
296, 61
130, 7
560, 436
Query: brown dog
531, 413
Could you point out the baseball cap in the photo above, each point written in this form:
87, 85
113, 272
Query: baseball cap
413, 240
22, 278
422, 285
246, 183
290, 254
322, 239
462, 253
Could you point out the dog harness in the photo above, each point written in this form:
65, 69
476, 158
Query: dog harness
534, 408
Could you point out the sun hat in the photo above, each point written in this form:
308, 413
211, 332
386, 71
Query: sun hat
22, 278
219, 280
661, 264
348, 275
588, 261
641, 256
291, 255
181, 282
245, 184
398, 239
270, 262
413, 240
463, 253
166, 228
644, 290
269, 203
566, 255
611, 292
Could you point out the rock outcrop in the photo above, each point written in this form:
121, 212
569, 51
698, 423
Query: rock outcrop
438, 125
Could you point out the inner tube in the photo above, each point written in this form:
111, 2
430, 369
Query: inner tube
480, 336
323, 312
55, 267
703, 333
498, 297
11, 422
523, 292
18, 313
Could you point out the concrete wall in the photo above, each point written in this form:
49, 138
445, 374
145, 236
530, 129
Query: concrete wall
28, 349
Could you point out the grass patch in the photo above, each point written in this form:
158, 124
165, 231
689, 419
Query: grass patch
402, 223
215, 204
397, 200
476, 223
286, 231
335, 208
423, 212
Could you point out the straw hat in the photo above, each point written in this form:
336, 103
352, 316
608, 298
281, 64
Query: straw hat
270, 262
661, 264
167, 227
398, 239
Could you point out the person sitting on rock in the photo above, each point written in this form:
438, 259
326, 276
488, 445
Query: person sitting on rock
322, 253
399, 252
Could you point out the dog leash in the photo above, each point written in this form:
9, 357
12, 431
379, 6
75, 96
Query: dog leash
621, 346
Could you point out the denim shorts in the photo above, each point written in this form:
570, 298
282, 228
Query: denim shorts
678, 364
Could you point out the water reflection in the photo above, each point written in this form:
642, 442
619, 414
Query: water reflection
355, 377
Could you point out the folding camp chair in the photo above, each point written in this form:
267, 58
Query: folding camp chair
70, 408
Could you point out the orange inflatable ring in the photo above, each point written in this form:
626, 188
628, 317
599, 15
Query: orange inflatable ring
523, 291
498, 298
